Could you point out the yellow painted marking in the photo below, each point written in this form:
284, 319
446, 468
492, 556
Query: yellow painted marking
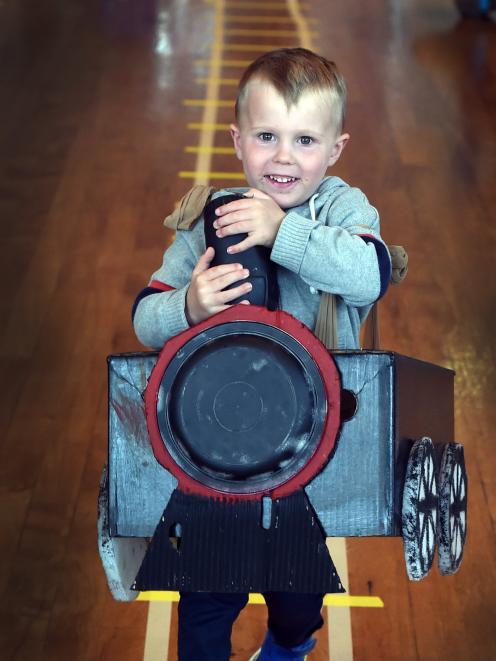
339, 620
263, 48
157, 631
247, 4
212, 127
304, 35
335, 600
211, 150
217, 103
224, 63
245, 32
219, 81
158, 595
209, 116
344, 600
211, 175
263, 19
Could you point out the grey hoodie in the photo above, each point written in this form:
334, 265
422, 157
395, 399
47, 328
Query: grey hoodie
329, 243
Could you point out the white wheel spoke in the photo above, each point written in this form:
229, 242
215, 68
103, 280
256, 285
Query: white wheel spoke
431, 535
457, 544
425, 546
452, 512
422, 491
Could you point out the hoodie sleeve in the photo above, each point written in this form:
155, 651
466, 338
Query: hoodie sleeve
159, 309
341, 252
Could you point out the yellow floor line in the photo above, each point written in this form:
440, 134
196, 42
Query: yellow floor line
225, 63
331, 600
247, 4
230, 18
339, 619
220, 81
212, 103
157, 631
304, 35
350, 601
209, 117
262, 48
246, 32
211, 150
213, 127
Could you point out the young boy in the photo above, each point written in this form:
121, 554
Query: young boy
322, 235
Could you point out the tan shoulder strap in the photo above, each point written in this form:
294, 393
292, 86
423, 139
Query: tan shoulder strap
371, 335
326, 328
189, 209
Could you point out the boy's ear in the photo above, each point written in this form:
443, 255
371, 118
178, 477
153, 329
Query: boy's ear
236, 136
339, 145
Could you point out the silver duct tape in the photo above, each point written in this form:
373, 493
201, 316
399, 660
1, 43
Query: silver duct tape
139, 488
353, 494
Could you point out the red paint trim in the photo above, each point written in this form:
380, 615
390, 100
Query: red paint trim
160, 285
327, 369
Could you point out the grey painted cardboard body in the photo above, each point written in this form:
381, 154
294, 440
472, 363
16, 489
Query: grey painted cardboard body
358, 493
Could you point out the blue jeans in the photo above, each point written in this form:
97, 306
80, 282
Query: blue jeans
206, 620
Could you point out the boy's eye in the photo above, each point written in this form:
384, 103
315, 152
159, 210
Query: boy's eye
266, 136
306, 140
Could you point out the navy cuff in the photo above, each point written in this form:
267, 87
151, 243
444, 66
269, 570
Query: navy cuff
147, 291
383, 260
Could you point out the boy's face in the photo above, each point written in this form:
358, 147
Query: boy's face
285, 152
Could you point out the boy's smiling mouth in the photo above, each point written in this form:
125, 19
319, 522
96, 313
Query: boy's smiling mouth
280, 179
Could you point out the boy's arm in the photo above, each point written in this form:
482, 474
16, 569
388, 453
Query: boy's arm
186, 290
159, 309
345, 256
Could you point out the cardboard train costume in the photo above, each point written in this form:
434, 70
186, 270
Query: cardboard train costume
247, 441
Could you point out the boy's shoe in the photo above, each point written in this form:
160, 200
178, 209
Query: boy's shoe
271, 651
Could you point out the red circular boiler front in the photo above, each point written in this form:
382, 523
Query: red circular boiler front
244, 404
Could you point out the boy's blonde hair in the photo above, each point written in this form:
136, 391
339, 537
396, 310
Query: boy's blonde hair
293, 71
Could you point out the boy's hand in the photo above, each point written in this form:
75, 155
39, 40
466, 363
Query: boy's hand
256, 215
205, 296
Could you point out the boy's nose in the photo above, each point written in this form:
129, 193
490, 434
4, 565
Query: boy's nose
283, 154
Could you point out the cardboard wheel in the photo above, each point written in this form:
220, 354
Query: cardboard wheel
452, 517
419, 511
244, 403
121, 556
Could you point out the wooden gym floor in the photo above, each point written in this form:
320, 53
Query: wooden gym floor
109, 112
